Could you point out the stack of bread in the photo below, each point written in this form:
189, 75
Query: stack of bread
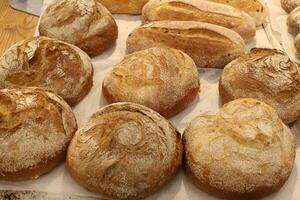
128, 149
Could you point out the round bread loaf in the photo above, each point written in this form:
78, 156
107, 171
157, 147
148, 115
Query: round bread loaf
86, 24
48, 63
293, 22
242, 152
142, 76
265, 74
289, 5
125, 151
124, 6
36, 128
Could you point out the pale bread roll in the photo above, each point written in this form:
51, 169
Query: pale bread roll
48, 63
201, 11
265, 74
86, 24
208, 45
293, 21
125, 151
244, 151
253, 7
142, 76
289, 5
36, 128
124, 6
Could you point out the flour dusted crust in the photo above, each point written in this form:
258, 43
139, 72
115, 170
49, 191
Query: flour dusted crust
265, 74
289, 5
242, 152
201, 11
253, 7
36, 128
124, 6
210, 46
125, 151
142, 76
84, 23
48, 63
293, 22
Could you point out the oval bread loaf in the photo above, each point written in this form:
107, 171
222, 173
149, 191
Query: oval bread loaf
289, 5
242, 152
253, 7
125, 151
202, 11
293, 22
208, 45
48, 63
86, 24
265, 74
124, 6
36, 129
142, 76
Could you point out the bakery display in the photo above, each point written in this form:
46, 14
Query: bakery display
142, 76
36, 128
125, 151
289, 5
210, 46
244, 151
86, 24
253, 7
124, 6
293, 21
201, 11
265, 74
48, 63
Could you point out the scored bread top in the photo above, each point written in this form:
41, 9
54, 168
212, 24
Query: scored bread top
48, 63
268, 75
36, 125
244, 149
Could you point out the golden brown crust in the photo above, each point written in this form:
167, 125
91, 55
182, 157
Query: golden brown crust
265, 74
208, 45
242, 152
48, 63
289, 5
142, 76
201, 11
125, 151
253, 7
36, 128
124, 6
86, 24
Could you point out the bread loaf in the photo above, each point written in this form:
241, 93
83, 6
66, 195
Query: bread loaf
125, 151
253, 7
289, 5
86, 24
297, 44
244, 151
202, 11
48, 63
293, 22
142, 76
265, 74
207, 44
124, 6
36, 128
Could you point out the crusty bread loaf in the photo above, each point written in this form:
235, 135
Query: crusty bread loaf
86, 24
265, 74
202, 11
293, 21
124, 6
253, 7
242, 152
207, 44
36, 128
48, 63
289, 5
125, 151
142, 76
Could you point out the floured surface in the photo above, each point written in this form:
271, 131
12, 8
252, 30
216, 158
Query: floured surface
59, 182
